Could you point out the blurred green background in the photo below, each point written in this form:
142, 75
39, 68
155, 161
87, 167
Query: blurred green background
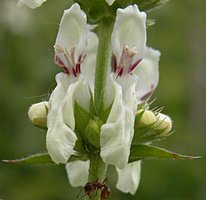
27, 76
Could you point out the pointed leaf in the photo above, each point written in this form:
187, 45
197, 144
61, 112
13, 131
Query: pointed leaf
139, 152
42, 158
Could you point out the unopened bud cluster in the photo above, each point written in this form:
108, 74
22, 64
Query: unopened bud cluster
159, 120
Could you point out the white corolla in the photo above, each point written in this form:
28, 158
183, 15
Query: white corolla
74, 52
135, 76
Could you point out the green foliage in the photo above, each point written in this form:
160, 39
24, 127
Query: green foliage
143, 151
43, 158
96, 10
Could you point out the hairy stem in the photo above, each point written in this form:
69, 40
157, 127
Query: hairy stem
103, 59
97, 171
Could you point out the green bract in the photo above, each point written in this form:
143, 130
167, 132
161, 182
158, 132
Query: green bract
96, 10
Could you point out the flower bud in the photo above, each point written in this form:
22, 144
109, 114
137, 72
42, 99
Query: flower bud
147, 118
93, 132
38, 114
164, 123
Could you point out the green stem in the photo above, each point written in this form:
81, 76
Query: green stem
97, 171
103, 58
97, 168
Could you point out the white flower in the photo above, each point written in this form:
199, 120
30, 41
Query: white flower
77, 172
129, 177
110, 2
30, 3
134, 76
72, 54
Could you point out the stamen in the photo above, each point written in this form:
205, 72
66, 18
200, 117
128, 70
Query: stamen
115, 63
66, 70
126, 59
58, 61
74, 72
120, 72
78, 65
133, 66
68, 63
130, 51
69, 58
72, 56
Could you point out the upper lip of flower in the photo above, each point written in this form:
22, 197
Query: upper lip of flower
71, 41
128, 39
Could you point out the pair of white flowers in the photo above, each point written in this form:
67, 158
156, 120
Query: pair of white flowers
134, 75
